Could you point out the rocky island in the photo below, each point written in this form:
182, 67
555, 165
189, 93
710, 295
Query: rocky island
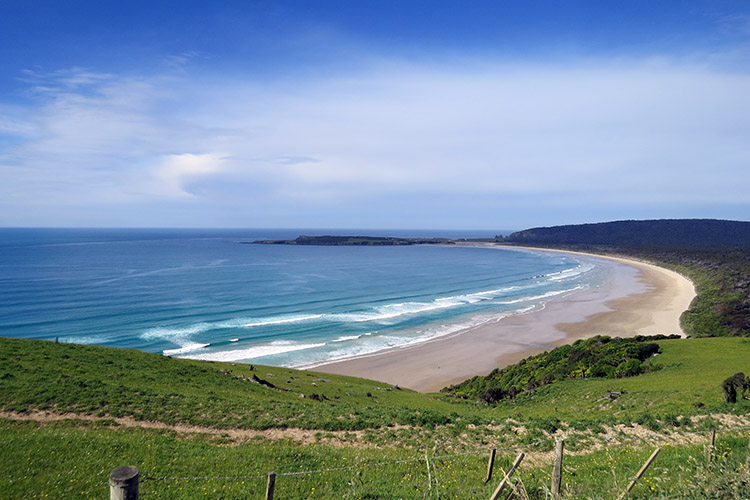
355, 241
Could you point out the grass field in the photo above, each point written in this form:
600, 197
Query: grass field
361, 439
72, 459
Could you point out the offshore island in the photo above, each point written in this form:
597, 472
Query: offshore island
356, 241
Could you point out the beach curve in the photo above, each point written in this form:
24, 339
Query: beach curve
653, 309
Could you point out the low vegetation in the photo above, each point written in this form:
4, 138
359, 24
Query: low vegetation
597, 357
735, 387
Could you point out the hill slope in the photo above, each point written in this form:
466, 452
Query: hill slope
105, 382
69, 414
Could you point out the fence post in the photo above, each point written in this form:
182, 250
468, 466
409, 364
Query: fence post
557, 469
712, 448
640, 472
504, 482
490, 465
123, 483
747, 460
271, 485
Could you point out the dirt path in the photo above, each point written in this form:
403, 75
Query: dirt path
618, 435
237, 436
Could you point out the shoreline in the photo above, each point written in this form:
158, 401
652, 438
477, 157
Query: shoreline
647, 302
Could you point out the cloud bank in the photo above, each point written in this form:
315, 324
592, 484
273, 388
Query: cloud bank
480, 144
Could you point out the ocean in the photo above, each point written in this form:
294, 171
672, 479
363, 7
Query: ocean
203, 294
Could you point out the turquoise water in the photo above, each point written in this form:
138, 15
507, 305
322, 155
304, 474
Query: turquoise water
203, 294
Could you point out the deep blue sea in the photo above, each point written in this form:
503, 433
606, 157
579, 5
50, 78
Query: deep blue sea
203, 294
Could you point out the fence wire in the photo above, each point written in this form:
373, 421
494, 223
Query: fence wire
365, 465
360, 466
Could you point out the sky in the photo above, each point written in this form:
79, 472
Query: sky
406, 114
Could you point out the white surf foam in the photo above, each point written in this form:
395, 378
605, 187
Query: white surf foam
280, 320
81, 339
170, 333
542, 296
569, 273
278, 347
392, 311
399, 340
184, 349
346, 338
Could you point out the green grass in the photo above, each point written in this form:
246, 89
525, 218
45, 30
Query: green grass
100, 381
105, 382
72, 459
356, 423
689, 383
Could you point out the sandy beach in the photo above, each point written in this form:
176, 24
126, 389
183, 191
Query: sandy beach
638, 299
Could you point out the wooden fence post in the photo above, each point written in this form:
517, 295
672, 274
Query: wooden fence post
640, 473
557, 469
747, 460
712, 448
123, 483
490, 465
271, 485
504, 482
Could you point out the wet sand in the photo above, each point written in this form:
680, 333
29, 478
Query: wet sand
638, 299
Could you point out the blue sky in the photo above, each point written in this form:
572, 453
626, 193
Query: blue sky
388, 114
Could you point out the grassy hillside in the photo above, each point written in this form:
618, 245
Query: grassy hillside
688, 383
92, 380
106, 382
71, 413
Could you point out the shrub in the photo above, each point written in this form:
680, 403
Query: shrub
735, 386
648, 421
597, 357
629, 368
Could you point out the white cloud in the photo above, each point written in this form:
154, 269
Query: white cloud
176, 171
629, 130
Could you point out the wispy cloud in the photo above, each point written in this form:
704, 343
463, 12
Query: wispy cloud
737, 24
485, 137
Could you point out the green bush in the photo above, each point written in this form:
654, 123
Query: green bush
649, 422
735, 386
597, 357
